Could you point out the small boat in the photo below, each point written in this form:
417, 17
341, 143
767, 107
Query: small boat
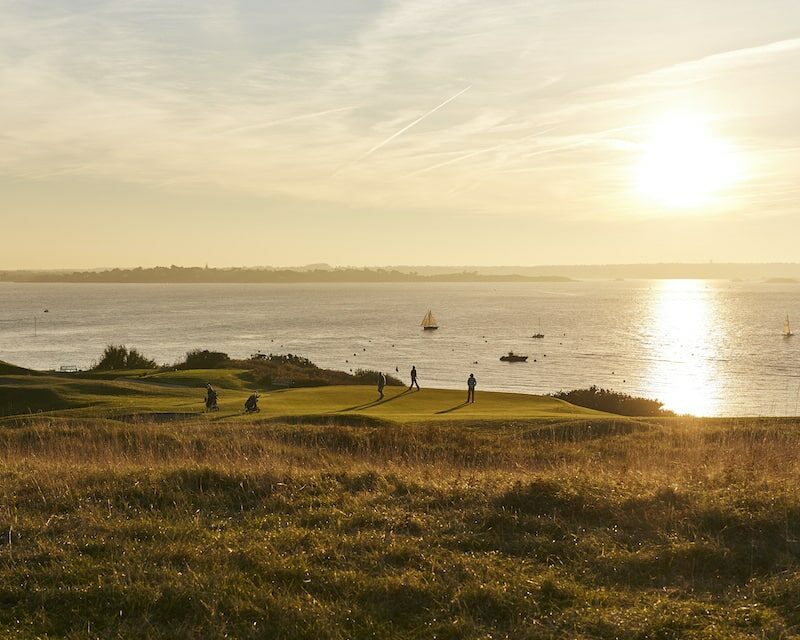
538, 334
787, 328
429, 322
513, 357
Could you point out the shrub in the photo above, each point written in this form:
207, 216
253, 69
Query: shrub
119, 357
369, 376
277, 369
613, 402
205, 359
137, 360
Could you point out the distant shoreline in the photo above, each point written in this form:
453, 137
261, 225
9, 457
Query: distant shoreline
785, 273
198, 275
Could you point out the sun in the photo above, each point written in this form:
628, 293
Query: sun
684, 165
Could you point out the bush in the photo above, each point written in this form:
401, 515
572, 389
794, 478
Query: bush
137, 360
206, 359
613, 402
369, 376
119, 357
269, 370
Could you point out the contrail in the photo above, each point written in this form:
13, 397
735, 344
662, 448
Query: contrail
383, 143
272, 123
477, 152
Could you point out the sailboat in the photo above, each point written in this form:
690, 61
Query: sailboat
538, 334
787, 328
429, 321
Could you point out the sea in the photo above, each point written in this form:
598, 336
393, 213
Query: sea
706, 348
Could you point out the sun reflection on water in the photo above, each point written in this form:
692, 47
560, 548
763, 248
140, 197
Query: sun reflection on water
682, 373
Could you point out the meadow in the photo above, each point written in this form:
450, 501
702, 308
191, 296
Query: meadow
544, 521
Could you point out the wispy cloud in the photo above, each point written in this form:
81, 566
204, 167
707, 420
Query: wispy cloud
727, 59
411, 124
477, 152
697, 69
281, 121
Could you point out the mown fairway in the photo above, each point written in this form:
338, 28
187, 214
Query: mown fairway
551, 528
181, 393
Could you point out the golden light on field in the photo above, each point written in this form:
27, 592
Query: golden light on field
685, 165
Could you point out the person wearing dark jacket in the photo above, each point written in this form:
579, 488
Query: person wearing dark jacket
413, 379
381, 384
251, 404
471, 382
211, 398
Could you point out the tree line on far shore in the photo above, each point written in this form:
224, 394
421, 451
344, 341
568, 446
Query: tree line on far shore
176, 274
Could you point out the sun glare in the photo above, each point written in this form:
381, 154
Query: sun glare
684, 164
683, 347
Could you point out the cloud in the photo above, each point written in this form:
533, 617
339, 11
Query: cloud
701, 68
217, 97
286, 120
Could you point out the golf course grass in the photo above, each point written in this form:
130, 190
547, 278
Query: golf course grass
181, 393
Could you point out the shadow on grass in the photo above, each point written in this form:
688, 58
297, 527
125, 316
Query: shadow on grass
328, 420
156, 416
451, 409
374, 403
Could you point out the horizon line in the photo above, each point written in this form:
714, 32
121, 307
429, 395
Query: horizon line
328, 266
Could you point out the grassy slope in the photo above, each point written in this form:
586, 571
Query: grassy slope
181, 392
75, 396
666, 529
226, 378
14, 370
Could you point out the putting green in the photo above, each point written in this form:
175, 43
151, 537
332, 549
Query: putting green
402, 405
180, 395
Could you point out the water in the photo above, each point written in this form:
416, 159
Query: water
701, 347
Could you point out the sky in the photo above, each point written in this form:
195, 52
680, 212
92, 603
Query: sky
243, 133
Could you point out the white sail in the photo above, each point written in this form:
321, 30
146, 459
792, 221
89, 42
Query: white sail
787, 328
429, 321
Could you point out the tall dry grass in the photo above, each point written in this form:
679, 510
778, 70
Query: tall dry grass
669, 528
